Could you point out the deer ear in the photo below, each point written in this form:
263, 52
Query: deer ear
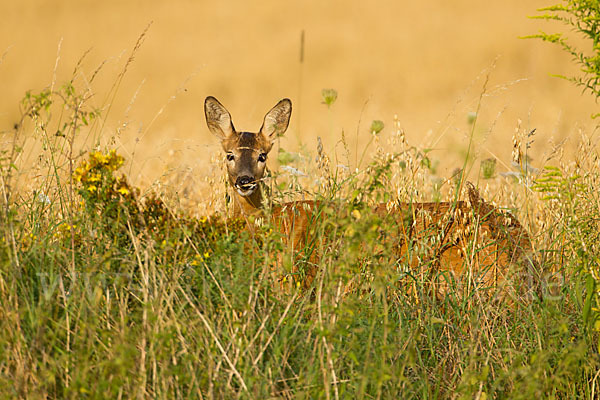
218, 118
277, 120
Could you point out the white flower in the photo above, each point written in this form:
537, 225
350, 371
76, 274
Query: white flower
292, 170
42, 198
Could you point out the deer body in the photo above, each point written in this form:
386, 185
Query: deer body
451, 236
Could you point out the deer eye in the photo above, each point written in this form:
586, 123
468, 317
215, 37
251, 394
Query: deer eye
262, 157
230, 157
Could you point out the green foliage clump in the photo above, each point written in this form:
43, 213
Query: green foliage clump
488, 168
574, 197
583, 17
108, 199
112, 203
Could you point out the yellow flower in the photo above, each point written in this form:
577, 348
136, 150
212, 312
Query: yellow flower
123, 190
79, 173
98, 157
114, 159
92, 188
197, 259
94, 178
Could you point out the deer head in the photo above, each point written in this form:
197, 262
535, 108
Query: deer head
247, 152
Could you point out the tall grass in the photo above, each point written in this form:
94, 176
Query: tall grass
109, 292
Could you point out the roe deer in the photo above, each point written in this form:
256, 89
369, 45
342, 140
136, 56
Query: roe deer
459, 236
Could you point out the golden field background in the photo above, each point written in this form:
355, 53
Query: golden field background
425, 62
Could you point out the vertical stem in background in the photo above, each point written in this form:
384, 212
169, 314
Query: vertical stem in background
70, 216
78, 102
329, 378
145, 283
112, 94
65, 297
71, 198
6, 177
300, 84
472, 134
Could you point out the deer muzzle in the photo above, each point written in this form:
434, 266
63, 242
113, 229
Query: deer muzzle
245, 185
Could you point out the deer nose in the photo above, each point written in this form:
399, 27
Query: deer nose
244, 181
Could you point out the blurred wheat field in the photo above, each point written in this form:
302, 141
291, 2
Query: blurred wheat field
426, 63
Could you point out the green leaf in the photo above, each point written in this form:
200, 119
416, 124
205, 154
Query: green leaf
284, 157
471, 117
590, 286
376, 126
